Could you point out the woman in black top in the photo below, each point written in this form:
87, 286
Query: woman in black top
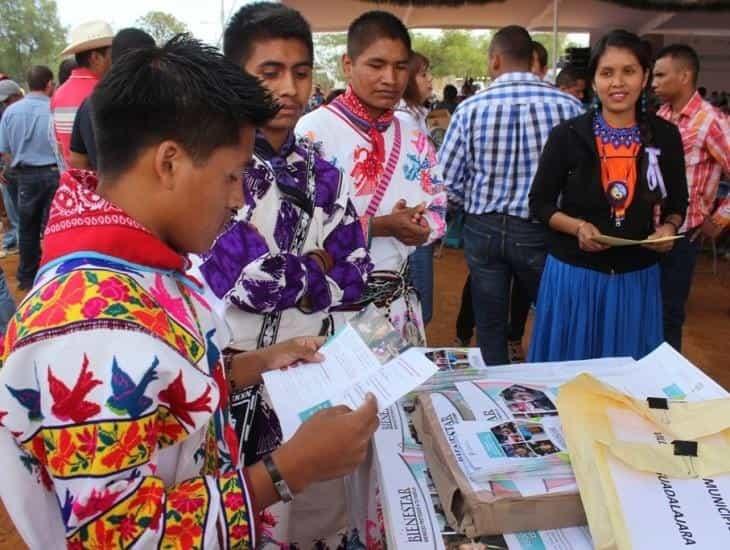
616, 171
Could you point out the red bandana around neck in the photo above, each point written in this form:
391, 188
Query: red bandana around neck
80, 220
371, 166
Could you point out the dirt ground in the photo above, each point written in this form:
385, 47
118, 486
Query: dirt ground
706, 335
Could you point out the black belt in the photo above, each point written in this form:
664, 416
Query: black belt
383, 288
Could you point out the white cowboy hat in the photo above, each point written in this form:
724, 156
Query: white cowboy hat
89, 36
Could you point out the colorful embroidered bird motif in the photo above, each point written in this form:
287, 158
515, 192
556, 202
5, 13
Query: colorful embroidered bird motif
175, 396
30, 399
174, 306
71, 404
129, 398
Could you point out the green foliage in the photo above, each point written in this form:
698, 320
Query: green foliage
546, 39
161, 26
454, 53
328, 51
30, 34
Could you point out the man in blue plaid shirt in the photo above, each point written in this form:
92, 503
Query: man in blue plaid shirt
489, 157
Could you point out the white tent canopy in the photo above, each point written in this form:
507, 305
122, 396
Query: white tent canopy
535, 15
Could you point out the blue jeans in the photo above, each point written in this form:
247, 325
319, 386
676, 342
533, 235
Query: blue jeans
36, 187
498, 248
421, 275
7, 305
678, 267
10, 200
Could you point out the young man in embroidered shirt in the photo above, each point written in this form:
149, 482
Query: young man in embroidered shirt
294, 251
388, 163
706, 138
113, 389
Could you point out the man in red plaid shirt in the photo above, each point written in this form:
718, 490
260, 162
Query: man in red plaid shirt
706, 138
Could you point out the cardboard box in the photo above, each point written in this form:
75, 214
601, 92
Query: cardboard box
481, 512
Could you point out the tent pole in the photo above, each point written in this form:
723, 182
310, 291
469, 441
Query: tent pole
555, 37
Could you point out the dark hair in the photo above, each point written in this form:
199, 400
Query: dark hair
542, 54
569, 76
184, 91
417, 63
38, 78
130, 39
65, 68
264, 21
450, 92
702, 91
513, 42
83, 59
641, 49
686, 54
334, 94
370, 27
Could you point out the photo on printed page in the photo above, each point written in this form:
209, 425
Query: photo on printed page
524, 402
379, 335
450, 359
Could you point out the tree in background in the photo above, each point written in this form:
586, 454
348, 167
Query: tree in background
452, 53
161, 26
546, 39
455, 53
328, 50
30, 34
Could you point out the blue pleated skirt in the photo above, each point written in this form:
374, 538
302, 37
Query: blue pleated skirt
586, 314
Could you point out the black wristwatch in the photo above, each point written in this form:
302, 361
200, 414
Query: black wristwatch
282, 489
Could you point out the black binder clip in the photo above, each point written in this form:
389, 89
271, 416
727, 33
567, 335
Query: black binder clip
658, 403
684, 448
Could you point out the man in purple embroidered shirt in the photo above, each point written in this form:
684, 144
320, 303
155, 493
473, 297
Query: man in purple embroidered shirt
296, 248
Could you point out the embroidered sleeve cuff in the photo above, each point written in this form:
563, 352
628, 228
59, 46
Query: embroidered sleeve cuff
238, 510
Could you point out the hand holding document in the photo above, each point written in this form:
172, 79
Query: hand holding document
618, 241
364, 357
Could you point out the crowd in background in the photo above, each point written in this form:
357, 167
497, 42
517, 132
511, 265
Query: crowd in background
208, 218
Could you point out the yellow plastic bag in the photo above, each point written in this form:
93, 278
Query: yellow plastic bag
663, 462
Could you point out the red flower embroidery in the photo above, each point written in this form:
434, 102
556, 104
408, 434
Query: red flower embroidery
148, 302
180, 343
234, 501
150, 435
148, 497
125, 448
75, 545
114, 289
98, 501
50, 290
94, 307
65, 450
169, 430
186, 498
156, 321
239, 531
88, 441
186, 532
128, 528
104, 539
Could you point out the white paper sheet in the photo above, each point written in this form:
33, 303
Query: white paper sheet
571, 538
348, 373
